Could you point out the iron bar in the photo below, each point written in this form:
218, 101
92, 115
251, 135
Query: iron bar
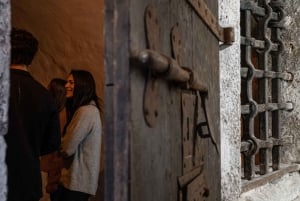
276, 90
267, 74
256, 43
246, 109
249, 160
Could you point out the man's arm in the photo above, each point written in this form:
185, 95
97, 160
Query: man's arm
51, 138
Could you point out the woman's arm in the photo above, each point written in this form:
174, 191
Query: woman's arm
79, 127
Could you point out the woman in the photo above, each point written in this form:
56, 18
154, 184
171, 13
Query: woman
81, 142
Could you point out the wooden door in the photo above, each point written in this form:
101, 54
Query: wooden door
146, 158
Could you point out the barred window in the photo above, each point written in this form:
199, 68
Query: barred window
262, 106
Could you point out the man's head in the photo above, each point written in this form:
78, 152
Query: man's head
23, 47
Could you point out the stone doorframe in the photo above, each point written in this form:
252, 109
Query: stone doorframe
5, 26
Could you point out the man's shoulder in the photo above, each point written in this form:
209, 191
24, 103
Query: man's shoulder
40, 89
36, 88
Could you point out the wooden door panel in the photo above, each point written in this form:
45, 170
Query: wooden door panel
156, 153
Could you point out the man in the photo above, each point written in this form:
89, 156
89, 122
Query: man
33, 122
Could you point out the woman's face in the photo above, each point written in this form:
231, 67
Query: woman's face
70, 86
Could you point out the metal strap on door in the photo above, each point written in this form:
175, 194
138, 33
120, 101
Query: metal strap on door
225, 35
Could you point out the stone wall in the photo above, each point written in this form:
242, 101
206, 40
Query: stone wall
291, 92
285, 188
230, 102
4, 88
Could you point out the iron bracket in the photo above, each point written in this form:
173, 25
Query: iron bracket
150, 105
225, 35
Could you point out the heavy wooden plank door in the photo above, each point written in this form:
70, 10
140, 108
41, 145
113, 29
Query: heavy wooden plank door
147, 157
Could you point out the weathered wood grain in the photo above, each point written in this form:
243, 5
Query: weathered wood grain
117, 100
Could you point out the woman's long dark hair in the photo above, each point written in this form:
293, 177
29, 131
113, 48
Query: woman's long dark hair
84, 92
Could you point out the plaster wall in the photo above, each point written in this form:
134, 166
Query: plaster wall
70, 33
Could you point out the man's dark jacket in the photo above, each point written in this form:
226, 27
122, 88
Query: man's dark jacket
33, 131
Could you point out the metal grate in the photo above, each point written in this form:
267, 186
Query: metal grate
261, 49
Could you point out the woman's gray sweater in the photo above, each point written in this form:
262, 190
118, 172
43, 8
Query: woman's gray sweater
82, 141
